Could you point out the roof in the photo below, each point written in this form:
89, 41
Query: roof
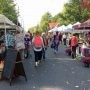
8, 24
4, 19
53, 24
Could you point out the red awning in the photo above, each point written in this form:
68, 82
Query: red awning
53, 24
86, 24
76, 26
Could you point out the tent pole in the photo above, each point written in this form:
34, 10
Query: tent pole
5, 35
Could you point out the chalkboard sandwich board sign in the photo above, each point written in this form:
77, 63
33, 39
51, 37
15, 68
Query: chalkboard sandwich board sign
11, 68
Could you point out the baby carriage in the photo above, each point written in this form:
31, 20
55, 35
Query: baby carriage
86, 57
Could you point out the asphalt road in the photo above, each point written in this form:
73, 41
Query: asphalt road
57, 72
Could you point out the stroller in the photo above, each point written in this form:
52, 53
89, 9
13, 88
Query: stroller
86, 57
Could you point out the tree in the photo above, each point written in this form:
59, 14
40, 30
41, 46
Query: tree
34, 29
59, 18
46, 18
72, 13
7, 7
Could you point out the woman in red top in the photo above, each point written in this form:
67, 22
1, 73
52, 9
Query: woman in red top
74, 44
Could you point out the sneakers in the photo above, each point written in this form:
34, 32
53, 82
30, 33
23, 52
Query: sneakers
36, 64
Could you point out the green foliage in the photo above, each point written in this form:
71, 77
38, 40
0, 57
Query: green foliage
46, 18
7, 7
72, 13
32, 29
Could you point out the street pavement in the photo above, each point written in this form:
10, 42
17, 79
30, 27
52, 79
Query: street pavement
57, 72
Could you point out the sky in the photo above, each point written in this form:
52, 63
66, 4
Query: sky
31, 11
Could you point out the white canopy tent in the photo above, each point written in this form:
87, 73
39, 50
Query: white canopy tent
62, 28
53, 30
8, 24
5, 24
4, 19
69, 28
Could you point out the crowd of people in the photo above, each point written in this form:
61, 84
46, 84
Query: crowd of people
39, 42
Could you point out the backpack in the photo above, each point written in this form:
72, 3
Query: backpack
38, 42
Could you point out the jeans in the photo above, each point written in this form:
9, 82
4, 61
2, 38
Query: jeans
56, 47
